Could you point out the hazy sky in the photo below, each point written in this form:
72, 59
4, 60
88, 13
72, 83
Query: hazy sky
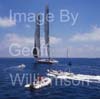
80, 32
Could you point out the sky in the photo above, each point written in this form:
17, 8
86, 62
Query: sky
78, 31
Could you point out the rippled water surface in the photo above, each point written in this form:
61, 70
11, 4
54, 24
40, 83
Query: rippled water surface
59, 91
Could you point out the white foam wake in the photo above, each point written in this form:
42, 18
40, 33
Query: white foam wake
80, 77
21, 66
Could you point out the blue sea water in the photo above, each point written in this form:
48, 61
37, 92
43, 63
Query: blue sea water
79, 65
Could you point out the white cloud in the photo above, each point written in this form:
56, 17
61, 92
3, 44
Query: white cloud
55, 40
85, 51
14, 38
75, 49
85, 44
59, 49
94, 35
23, 41
6, 22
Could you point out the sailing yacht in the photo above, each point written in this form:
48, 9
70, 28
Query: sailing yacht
36, 50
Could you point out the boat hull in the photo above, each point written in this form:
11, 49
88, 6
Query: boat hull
43, 83
47, 61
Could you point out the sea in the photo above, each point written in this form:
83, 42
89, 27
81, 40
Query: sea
13, 78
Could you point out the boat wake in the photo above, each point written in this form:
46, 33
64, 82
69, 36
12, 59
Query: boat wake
81, 77
21, 66
72, 76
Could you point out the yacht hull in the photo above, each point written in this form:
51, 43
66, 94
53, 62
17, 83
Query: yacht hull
47, 61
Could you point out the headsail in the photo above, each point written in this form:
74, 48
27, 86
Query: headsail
46, 29
36, 50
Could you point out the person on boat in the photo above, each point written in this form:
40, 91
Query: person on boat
39, 78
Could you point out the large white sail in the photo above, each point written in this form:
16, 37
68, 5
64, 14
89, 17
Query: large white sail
46, 29
36, 50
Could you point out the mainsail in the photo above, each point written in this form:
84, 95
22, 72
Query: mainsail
46, 29
36, 50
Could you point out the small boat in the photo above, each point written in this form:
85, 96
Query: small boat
55, 73
45, 81
21, 66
